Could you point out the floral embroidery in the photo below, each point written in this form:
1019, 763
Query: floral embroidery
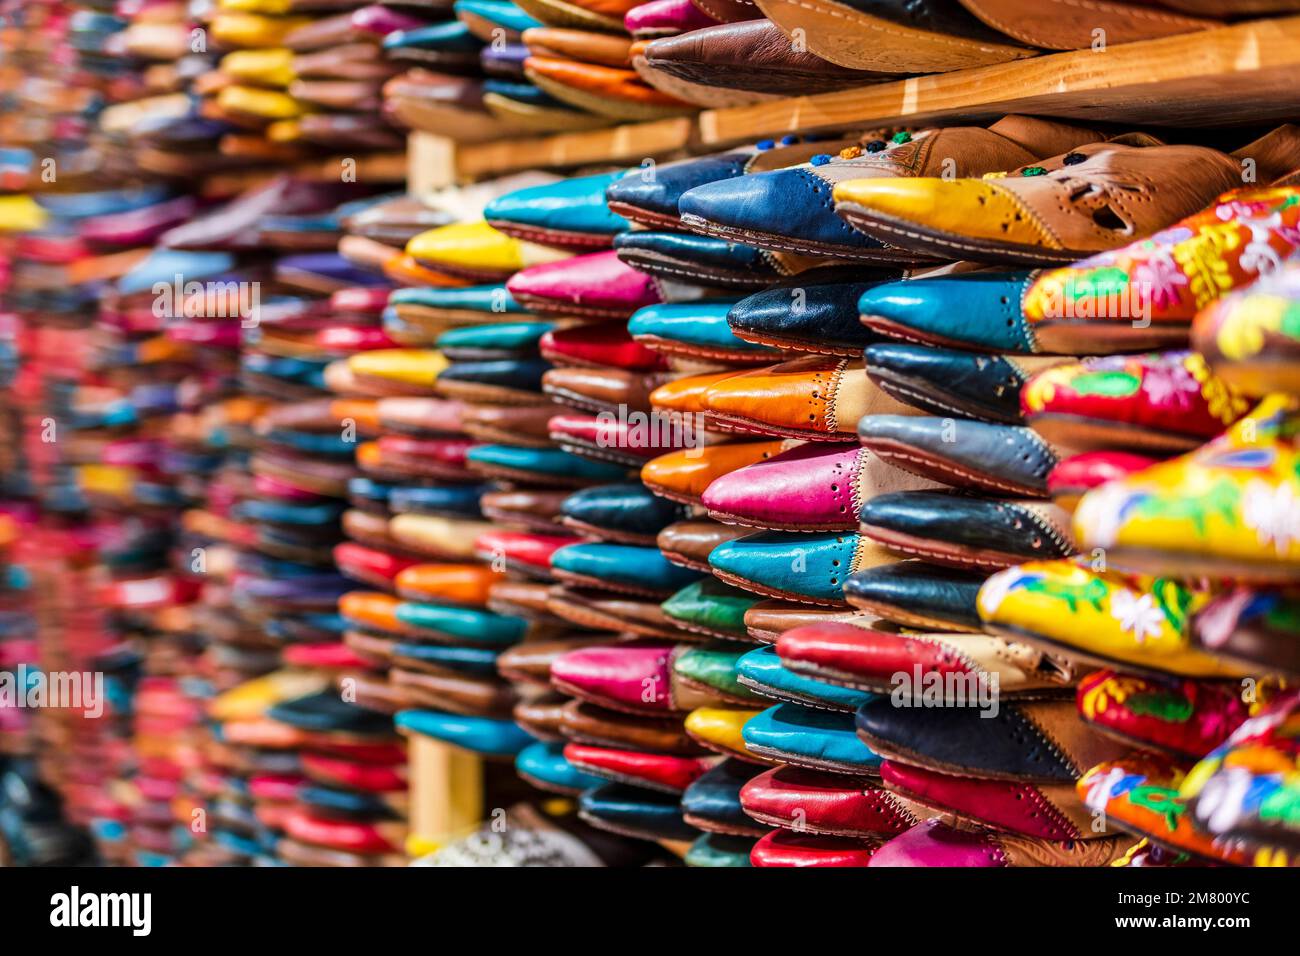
1273, 513
1137, 615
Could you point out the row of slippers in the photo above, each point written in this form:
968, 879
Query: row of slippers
1067, 405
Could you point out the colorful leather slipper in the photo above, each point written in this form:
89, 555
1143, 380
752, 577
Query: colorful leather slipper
711, 608
623, 514
608, 49
696, 330
445, 661
1058, 25
685, 394
452, 501
593, 724
1251, 629
809, 569
606, 609
720, 730
544, 765
634, 812
466, 585
1140, 793
620, 567
489, 736
689, 543
597, 285
526, 426
936, 843
936, 665
542, 716
917, 594
1100, 617
520, 105
894, 36
1251, 337
651, 200
827, 804
766, 675
814, 487
662, 772
409, 371
476, 251
1056, 211
602, 345
602, 389
432, 310
999, 459
791, 848
1045, 811
619, 94
683, 476
786, 209
719, 850
1145, 294
815, 397
629, 443
712, 801
714, 669
703, 259
952, 383
1224, 510
1039, 741
1075, 476
567, 213
966, 532
543, 466
636, 679
524, 553
1241, 793
807, 737
455, 694
814, 312
446, 46
1181, 718
752, 56
1162, 403
978, 311
605, 16
491, 20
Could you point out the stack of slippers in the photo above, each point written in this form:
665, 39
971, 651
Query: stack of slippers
295, 79
107, 382
917, 476
459, 436
1183, 577
466, 79
583, 59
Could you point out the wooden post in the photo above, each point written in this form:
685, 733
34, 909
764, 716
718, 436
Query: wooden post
446, 786
430, 163
445, 783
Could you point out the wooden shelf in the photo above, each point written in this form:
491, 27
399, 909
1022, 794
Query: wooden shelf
1247, 73
1237, 75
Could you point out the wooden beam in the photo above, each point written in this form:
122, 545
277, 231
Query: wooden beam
629, 143
1247, 73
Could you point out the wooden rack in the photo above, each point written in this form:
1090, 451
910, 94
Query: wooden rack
1248, 73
